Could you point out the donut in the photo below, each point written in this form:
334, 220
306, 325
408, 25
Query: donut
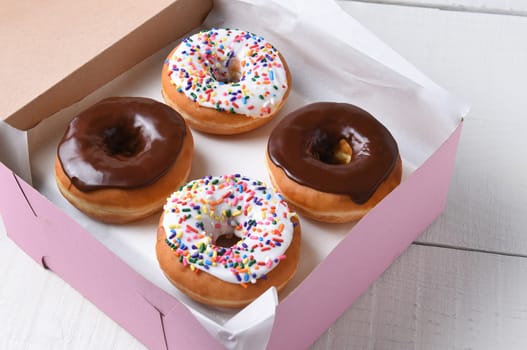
225, 81
333, 162
121, 158
225, 240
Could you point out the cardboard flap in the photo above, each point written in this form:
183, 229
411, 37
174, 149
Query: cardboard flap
79, 47
18, 214
187, 332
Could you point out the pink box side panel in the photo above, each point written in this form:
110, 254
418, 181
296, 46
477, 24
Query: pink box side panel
187, 333
375, 242
52, 238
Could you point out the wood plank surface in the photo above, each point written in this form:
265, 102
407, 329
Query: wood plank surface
436, 298
481, 58
510, 7
39, 311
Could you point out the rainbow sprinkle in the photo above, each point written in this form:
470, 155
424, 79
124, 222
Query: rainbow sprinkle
229, 70
204, 209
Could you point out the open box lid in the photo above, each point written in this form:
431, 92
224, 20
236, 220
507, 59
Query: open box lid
47, 50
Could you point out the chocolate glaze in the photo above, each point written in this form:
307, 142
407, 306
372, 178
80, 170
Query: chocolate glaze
121, 142
303, 142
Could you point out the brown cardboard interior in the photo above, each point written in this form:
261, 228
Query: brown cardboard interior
48, 50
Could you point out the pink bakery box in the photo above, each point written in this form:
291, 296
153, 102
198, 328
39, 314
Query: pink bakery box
156, 318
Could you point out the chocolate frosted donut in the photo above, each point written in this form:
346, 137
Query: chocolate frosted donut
334, 154
121, 142
119, 149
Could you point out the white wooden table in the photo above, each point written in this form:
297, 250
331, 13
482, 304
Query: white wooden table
462, 284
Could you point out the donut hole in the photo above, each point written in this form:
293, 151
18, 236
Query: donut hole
228, 73
330, 150
226, 240
123, 140
221, 232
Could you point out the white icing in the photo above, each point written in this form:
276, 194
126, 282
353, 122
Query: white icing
207, 208
202, 60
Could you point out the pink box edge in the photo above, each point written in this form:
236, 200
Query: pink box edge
134, 294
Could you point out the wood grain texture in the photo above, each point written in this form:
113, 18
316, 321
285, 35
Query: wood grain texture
436, 298
487, 201
510, 7
40, 311
479, 57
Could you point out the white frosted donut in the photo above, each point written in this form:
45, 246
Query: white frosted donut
205, 209
227, 73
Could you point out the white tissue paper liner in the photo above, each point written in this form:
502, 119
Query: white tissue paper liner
332, 58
